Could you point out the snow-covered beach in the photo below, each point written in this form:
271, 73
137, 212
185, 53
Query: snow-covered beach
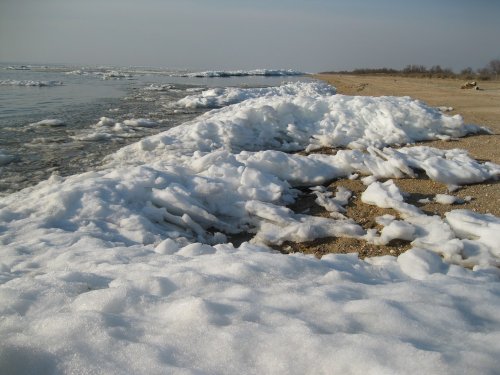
131, 268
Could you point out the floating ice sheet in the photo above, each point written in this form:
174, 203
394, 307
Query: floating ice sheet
30, 83
244, 73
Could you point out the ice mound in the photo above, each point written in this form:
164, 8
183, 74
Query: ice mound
291, 122
244, 73
132, 268
219, 97
209, 196
30, 83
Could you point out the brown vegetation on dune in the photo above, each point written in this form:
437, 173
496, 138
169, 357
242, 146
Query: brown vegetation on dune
490, 71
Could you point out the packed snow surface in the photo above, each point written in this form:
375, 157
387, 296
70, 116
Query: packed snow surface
135, 269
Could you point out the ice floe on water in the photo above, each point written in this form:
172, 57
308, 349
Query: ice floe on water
113, 74
103, 74
135, 268
49, 122
244, 73
158, 87
11, 82
109, 128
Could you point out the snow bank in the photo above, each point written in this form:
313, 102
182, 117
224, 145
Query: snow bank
11, 82
221, 310
222, 96
131, 269
294, 122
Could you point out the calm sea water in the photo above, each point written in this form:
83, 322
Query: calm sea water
79, 97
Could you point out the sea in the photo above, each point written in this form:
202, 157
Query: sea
49, 113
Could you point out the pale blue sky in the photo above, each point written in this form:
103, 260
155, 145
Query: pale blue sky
309, 35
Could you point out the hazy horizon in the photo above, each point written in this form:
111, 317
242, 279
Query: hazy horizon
311, 36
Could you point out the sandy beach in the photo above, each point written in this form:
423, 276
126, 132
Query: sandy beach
480, 107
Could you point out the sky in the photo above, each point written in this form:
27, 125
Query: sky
306, 35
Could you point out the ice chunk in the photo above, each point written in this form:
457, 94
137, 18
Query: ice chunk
49, 122
480, 227
446, 199
450, 167
11, 82
333, 204
141, 122
420, 264
387, 195
397, 230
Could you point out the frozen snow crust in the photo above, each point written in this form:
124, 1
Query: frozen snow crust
130, 270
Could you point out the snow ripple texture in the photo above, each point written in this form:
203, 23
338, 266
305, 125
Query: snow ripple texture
130, 269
